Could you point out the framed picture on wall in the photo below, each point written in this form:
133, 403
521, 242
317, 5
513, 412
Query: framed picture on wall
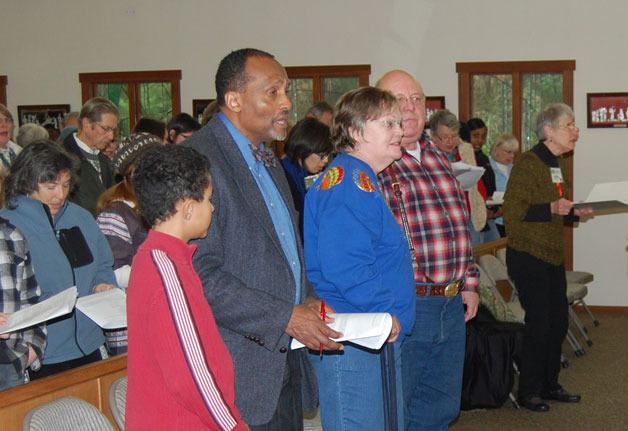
43, 115
433, 104
607, 110
198, 106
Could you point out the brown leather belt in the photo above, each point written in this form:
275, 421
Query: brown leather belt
447, 290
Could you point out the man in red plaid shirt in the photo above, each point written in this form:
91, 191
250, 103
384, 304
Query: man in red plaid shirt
430, 200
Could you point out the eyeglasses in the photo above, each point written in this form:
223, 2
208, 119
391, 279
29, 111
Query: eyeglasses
390, 124
448, 138
414, 100
106, 129
570, 126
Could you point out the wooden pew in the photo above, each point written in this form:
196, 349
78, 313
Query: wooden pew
489, 247
90, 383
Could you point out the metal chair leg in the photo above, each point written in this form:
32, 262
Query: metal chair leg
596, 322
577, 347
578, 323
514, 401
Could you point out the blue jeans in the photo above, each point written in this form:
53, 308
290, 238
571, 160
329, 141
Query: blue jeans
432, 360
9, 377
350, 389
481, 237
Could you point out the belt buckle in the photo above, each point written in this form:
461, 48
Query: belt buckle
452, 289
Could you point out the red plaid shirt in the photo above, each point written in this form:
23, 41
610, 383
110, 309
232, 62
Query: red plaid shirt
437, 216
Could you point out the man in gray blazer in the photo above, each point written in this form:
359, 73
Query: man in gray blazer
251, 262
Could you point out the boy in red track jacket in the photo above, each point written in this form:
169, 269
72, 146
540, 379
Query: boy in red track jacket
180, 373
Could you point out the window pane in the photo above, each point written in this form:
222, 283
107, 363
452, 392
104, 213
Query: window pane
539, 90
492, 102
302, 97
333, 88
119, 96
156, 100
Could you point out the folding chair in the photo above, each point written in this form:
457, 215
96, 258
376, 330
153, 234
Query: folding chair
66, 414
117, 401
496, 270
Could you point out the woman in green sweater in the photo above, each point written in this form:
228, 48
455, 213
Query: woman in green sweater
535, 209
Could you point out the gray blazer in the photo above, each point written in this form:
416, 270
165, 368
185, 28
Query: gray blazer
246, 276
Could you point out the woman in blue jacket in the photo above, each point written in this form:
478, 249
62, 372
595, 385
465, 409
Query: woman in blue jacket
357, 256
36, 192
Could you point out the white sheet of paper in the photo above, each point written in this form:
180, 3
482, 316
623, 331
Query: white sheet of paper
496, 199
606, 196
467, 175
55, 306
122, 276
107, 309
369, 330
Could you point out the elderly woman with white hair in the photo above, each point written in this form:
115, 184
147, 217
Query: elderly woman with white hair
503, 152
29, 133
535, 209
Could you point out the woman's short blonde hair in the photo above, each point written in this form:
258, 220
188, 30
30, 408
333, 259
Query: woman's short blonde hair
506, 141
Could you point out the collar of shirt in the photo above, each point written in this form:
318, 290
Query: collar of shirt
416, 153
83, 146
545, 155
277, 209
243, 143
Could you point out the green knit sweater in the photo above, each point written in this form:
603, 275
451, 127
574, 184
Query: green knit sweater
530, 226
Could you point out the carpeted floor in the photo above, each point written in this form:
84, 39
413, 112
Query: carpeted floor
600, 376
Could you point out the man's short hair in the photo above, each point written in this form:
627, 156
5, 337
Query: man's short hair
150, 125
94, 108
68, 116
319, 109
166, 175
231, 74
182, 123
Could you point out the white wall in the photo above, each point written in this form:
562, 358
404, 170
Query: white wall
45, 45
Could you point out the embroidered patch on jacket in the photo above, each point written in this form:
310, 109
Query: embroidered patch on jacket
332, 177
362, 180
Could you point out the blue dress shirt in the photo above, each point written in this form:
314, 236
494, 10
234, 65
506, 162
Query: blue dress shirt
275, 203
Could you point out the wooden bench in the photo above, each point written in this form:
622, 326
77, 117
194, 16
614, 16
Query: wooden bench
90, 383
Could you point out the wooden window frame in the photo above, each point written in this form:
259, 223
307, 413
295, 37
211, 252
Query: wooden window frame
318, 73
3, 89
89, 81
516, 69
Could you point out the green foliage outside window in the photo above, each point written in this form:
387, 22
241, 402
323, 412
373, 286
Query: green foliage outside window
302, 97
539, 90
492, 102
156, 100
119, 96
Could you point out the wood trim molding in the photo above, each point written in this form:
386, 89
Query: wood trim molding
3, 89
328, 71
499, 67
136, 76
90, 382
603, 309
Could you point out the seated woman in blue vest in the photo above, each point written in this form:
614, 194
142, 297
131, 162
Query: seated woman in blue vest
36, 192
